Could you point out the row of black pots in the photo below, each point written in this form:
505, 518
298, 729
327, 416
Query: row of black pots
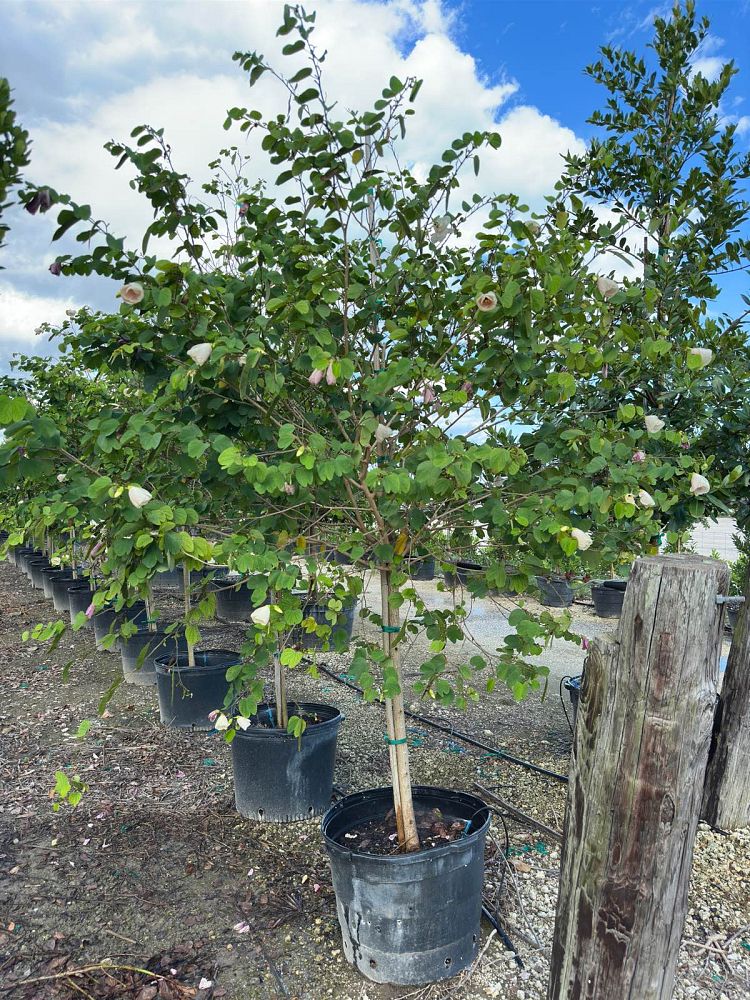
408, 919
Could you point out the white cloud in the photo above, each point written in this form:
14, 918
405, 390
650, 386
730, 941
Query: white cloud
181, 55
21, 313
708, 66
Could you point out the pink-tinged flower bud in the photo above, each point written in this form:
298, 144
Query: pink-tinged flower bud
132, 293
317, 377
487, 302
89, 612
243, 209
289, 489
428, 394
638, 456
606, 287
685, 445
55, 268
699, 485
213, 716
585, 642
468, 388
330, 377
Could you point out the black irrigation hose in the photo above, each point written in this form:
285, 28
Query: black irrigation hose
486, 912
457, 734
567, 677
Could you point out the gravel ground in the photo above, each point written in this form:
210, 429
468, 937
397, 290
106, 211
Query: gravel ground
155, 870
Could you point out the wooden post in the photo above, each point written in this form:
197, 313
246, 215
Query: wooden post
636, 782
726, 797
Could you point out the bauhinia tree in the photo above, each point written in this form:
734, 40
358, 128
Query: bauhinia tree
349, 366
14, 151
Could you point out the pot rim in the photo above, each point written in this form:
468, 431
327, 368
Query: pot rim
414, 857
167, 670
262, 732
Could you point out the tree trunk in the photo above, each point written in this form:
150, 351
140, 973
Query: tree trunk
636, 781
186, 589
726, 797
150, 616
279, 677
403, 803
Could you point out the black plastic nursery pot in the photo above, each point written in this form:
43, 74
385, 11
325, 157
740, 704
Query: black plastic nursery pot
49, 576
342, 627
28, 556
234, 601
187, 694
422, 568
409, 919
108, 620
169, 579
35, 571
279, 778
157, 643
80, 596
462, 572
573, 686
608, 598
555, 592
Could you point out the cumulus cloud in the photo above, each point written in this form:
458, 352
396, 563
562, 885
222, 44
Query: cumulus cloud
180, 54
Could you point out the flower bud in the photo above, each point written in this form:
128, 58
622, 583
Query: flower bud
606, 287
317, 376
704, 354
330, 377
638, 456
261, 616
55, 268
645, 498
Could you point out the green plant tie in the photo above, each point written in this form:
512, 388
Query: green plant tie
392, 629
379, 370
394, 743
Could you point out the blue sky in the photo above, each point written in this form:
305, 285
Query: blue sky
85, 72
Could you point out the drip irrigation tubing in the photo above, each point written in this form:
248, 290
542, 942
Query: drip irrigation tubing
457, 734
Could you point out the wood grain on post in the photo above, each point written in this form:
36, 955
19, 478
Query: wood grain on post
636, 783
726, 797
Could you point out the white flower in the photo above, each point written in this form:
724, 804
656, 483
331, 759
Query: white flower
646, 499
138, 496
629, 498
441, 228
704, 354
222, 722
261, 616
699, 484
533, 227
486, 302
383, 432
653, 424
61, 477
132, 293
607, 287
71, 312
242, 722
583, 538
242, 359
200, 353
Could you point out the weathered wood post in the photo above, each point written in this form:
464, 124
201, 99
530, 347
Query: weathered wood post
726, 797
636, 782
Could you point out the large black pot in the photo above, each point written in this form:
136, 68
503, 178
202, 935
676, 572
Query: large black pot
80, 596
187, 694
341, 630
462, 572
28, 556
412, 918
169, 579
139, 653
277, 777
608, 599
15, 552
422, 568
108, 621
35, 571
49, 576
555, 592
234, 601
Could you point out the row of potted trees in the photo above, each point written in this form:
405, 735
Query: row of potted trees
349, 372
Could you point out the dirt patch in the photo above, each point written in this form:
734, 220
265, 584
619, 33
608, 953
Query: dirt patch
155, 871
